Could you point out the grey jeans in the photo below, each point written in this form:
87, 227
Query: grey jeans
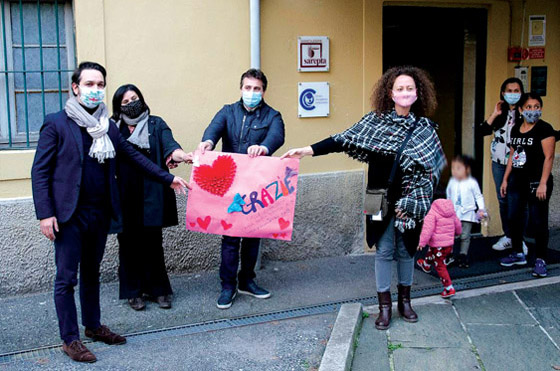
391, 247
466, 236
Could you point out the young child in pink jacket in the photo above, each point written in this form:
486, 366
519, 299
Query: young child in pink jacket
441, 225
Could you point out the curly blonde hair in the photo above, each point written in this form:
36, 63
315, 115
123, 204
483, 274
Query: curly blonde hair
426, 103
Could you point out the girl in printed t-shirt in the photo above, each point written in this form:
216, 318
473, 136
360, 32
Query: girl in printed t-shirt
500, 122
528, 181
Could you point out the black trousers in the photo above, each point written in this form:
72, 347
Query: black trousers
230, 260
521, 198
142, 264
80, 243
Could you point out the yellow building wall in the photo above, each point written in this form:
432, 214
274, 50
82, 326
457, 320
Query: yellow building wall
186, 57
281, 23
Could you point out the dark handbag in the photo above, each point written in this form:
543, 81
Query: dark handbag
375, 201
376, 206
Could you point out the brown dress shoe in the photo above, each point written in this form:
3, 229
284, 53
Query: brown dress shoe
77, 351
105, 335
164, 301
137, 303
403, 304
385, 311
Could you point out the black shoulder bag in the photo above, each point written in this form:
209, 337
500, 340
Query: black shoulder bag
375, 203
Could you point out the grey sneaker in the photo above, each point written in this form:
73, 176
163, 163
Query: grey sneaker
540, 269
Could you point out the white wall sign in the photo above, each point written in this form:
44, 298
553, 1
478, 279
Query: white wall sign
522, 73
313, 99
313, 53
537, 30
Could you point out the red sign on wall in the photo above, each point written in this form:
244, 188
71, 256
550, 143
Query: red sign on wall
536, 53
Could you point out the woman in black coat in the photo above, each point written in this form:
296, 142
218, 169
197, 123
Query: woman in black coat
147, 207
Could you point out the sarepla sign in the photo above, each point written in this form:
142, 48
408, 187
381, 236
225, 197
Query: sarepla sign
313, 99
313, 53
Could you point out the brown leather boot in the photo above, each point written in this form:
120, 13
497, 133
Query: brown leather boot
77, 351
385, 311
403, 304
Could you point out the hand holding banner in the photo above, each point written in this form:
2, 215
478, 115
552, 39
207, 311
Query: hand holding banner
235, 195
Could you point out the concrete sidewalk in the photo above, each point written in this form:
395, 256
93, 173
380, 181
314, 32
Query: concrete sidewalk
515, 330
30, 321
297, 342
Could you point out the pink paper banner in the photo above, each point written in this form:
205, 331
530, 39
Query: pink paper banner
239, 196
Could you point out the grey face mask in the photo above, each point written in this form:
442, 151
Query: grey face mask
532, 116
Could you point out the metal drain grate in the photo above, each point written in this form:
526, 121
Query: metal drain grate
325, 308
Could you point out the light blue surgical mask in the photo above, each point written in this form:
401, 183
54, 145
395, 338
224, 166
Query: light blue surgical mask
532, 116
512, 98
252, 98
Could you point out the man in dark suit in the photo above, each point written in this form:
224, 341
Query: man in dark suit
248, 126
75, 195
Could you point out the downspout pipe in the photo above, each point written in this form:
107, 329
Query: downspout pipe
255, 18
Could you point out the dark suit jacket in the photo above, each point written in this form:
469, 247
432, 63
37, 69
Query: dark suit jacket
156, 202
56, 175
239, 129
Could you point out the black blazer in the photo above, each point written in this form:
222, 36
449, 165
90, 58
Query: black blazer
159, 204
56, 174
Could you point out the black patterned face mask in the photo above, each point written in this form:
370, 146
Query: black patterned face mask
134, 108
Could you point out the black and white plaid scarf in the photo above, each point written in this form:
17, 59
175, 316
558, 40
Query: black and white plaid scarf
421, 161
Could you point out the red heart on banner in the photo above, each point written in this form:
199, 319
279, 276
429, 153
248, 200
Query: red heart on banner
204, 223
283, 223
225, 225
275, 235
218, 177
192, 224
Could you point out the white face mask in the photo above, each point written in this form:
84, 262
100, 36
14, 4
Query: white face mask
404, 98
91, 97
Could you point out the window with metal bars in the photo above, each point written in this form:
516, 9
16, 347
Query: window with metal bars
37, 58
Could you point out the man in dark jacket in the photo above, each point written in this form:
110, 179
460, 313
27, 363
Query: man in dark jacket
248, 126
75, 195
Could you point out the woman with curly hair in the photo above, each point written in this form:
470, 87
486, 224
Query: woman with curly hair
397, 132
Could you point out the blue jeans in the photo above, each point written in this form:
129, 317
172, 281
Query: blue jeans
230, 261
498, 171
391, 246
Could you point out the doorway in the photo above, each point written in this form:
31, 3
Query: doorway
449, 43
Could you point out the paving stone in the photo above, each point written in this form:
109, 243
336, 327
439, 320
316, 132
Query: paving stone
514, 347
547, 317
434, 320
371, 353
500, 308
542, 296
448, 359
